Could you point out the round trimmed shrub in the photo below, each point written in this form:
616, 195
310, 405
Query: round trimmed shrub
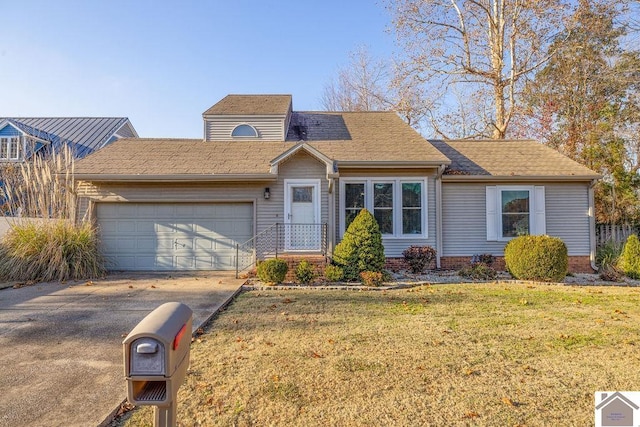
629, 261
333, 273
272, 270
361, 247
541, 258
305, 272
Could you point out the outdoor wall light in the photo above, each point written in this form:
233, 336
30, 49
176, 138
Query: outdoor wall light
267, 193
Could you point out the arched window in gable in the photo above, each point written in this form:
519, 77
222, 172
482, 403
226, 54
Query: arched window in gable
244, 131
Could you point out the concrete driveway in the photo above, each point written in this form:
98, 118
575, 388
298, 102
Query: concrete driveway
61, 344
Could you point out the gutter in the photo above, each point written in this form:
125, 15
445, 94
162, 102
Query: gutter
174, 177
439, 244
520, 178
387, 164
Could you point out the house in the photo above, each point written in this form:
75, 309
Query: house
266, 179
21, 138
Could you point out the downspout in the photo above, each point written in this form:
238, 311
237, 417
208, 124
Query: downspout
331, 217
439, 244
592, 225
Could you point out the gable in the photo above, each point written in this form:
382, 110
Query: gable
7, 129
267, 115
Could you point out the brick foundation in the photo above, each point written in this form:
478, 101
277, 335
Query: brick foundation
577, 264
318, 262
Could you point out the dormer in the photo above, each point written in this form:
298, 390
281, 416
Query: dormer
248, 118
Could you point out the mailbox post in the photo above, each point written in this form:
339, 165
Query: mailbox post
156, 358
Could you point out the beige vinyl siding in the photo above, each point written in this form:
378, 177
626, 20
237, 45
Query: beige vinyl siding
393, 247
464, 228
268, 212
270, 128
300, 166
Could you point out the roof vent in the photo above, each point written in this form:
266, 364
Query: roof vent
301, 132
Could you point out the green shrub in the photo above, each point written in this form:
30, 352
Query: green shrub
333, 273
419, 257
50, 250
371, 278
272, 270
305, 272
542, 258
361, 247
478, 271
629, 262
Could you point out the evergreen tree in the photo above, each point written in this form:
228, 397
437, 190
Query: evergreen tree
361, 247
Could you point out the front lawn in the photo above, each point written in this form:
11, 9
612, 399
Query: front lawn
477, 354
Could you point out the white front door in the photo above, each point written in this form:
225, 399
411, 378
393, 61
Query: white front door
302, 215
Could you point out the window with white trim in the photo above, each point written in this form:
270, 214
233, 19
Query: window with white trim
10, 148
397, 204
514, 211
244, 131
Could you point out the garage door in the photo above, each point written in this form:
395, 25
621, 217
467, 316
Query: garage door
173, 236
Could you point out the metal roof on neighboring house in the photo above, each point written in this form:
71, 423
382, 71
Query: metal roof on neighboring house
84, 134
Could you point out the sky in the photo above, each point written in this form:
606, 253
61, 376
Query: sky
163, 63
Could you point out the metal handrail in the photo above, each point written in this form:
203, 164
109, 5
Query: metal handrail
281, 237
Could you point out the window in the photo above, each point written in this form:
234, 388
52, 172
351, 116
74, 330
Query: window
398, 205
514, 211
383, 206
353, 201
411, 208
244, 131
303, 194
9, 148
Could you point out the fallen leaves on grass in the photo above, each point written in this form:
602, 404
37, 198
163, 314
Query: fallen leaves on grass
509, 402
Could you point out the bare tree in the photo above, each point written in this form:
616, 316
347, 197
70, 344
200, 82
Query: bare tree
483, 50
361, 86
369, 84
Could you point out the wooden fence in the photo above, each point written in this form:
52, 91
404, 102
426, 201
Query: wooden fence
615, 233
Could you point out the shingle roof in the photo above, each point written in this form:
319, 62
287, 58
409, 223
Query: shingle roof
508, 158
85, 134
251, 105
181, 157
346, 138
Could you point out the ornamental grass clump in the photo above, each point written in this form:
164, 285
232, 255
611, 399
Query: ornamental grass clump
43, 251
361, 247
541, 258
629, 262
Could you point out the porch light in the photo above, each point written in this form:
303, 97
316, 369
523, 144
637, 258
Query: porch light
267, 193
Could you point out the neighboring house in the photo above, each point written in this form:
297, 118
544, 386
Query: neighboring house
267, 178
21, 138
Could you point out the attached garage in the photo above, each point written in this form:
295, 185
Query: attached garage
173, 236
